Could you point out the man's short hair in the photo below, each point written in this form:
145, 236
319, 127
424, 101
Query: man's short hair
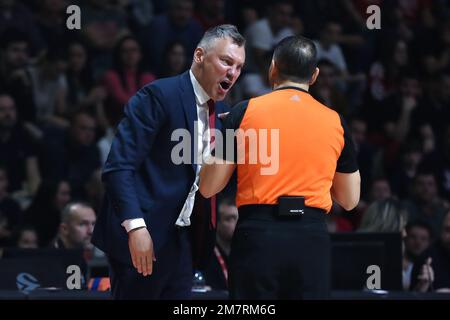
221, 32
67, 211
419, 224
296, 59
224, 200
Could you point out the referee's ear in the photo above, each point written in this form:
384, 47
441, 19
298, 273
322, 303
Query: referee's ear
314, 76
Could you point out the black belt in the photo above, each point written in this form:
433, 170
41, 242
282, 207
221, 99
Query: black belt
269, 212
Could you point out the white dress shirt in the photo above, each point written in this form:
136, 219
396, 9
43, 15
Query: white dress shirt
202, 127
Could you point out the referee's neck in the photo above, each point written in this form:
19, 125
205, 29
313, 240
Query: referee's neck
291, 84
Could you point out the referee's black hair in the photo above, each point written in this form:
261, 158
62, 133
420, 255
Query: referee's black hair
295, 58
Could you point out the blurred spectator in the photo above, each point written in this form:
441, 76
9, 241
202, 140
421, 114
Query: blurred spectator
326, 90
329, 49
417, 240
95, 190
261, 38
82, 92
385, 73
411, 11
309, 12
25, 237
436, 278
104, 144
210, 13
395, 24
435, 109
140, 13
48, 85
45, 210
51, 22
439, 163
425, 203
177, 24
14, 56
175, 61
369, 157
248, 16
388, 215
10, 211
216, 273
406, 168
125, 79
76, 157
103, 26
14, 15
394, 118
17, 151
76, 227
380, 190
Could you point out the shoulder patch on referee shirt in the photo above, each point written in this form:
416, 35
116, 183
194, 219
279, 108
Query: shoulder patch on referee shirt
295, 98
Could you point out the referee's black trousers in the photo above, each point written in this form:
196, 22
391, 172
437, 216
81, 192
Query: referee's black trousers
279, 258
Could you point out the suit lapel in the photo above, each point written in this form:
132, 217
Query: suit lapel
190, 111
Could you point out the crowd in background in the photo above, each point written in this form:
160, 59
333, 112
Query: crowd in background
62, 93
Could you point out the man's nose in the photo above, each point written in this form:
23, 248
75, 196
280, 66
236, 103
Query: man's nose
232, 72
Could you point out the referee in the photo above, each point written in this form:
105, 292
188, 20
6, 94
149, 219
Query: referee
281, 247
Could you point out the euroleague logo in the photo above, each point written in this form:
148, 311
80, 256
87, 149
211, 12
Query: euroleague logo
26, 282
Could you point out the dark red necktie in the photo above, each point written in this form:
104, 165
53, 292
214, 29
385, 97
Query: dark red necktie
212, 126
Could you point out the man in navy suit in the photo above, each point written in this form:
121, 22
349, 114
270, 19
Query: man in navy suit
146, 216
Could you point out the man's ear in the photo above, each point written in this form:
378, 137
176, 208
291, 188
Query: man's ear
199, 55
63, 228
314, 76
273, 74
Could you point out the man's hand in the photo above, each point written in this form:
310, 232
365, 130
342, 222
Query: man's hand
426, 277
409, 103
141, 250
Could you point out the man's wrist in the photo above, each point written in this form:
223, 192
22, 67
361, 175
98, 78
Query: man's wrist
131, 224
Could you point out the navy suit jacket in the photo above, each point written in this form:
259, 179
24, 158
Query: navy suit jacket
140, 178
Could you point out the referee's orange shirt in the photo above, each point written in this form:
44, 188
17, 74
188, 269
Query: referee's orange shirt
314, 143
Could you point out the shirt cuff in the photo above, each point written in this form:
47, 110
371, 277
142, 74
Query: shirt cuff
131, 224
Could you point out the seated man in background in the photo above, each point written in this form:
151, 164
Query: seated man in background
432, 270
416, 241
216, 273
75, 231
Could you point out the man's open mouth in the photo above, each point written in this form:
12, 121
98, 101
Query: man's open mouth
225, 85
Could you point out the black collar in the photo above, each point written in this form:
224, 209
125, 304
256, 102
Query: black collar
291, 87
